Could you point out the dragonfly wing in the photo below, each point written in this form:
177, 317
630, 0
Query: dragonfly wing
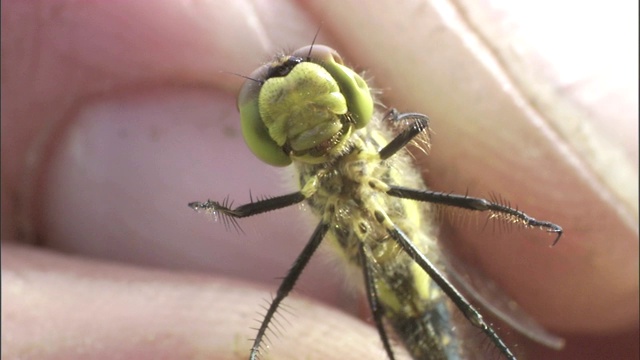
490, 296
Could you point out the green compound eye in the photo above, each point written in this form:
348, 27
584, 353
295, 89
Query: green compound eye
306, 108
254, 131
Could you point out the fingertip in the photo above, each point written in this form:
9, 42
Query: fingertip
106, 310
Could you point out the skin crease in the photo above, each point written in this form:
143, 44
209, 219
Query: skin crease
76, 73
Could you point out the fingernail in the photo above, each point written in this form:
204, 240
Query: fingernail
120, 179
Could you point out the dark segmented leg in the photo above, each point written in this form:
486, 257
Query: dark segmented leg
288, 283
258, 207
252, 208
372, 297
472, 203
456, 297
419, 125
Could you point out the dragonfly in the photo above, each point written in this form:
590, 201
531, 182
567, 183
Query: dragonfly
310, 110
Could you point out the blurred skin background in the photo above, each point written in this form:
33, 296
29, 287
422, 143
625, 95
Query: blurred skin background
116, 115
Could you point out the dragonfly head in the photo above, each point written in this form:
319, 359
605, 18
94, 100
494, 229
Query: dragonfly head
303, 106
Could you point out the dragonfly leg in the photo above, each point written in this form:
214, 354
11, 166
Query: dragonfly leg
287, 284
468, 310
418, 124
476, 204
250, 209
372, 296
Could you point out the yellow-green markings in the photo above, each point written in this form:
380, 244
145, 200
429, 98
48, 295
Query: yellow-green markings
310, 110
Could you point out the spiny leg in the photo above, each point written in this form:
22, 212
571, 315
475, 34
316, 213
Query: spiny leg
372, 297
472, 203
250, 209
258, 207
456, 297
419, 125
288, 283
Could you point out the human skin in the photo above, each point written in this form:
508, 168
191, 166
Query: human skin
115, 116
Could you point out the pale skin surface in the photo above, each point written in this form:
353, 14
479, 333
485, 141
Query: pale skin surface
82, 81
